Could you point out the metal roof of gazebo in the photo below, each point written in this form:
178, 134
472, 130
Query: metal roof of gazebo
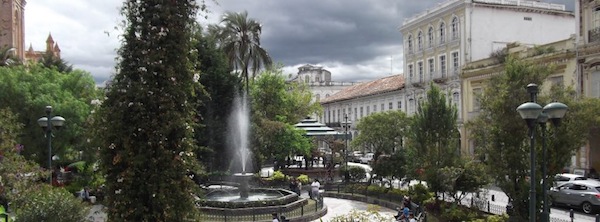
315, 129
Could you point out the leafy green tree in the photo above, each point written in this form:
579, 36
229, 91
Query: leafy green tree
434, 138
281, 140
389, 168
26, 91
148, 117
239, 38
501, 135
276, 107
383, 133
215, 107
468, 177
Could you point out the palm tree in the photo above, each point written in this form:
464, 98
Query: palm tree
7, 57
239, 38
51, 61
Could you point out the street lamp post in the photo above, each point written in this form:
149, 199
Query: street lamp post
48, 123
346, 174
554, 111
532, 112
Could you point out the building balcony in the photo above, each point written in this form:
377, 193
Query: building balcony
440, 77
594, 35
419, 84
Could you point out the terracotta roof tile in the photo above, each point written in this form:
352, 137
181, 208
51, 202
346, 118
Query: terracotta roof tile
378, 86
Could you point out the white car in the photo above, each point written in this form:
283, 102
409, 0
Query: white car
560, 179
367, 158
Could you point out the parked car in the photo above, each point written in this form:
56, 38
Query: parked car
367, 158
563, 178
355, 156
578, 193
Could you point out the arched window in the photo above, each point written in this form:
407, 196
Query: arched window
430, 37
420, 40
306, 79
410, 44
442, 33
411, 106
455, 28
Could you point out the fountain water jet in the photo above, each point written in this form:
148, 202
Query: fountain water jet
239, 128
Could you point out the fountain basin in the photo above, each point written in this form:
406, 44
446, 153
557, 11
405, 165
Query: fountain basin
257, 197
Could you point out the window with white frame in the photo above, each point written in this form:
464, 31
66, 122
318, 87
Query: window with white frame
455, 28
368, 110
411, 105
420, 40
431, 70
430, 35
382, 107
391, 106
339, 116
374, 108
399, 105
361, 112
455, 63
410, 43
442, 31
355, 113
443, 66
420, 70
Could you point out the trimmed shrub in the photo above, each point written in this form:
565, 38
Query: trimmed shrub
356, 173
50, 204
303, 178
419, 193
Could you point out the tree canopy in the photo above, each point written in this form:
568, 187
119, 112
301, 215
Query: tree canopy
276, 106
26, 91
500, 135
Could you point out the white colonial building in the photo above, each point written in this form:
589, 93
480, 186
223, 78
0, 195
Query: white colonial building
319, 81
355, 102
439, 41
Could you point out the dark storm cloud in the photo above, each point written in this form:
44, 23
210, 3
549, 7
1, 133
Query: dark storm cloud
316, 31
356, 40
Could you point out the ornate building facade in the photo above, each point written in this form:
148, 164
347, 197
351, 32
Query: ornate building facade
588, 65
12, 32
12, 26
438, 42
320, 83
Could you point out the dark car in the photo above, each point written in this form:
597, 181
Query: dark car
578, 193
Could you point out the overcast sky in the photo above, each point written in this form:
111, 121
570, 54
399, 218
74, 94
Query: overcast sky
356, 40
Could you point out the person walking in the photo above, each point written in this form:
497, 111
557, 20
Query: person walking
314, 188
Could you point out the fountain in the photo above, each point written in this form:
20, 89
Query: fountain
241, 201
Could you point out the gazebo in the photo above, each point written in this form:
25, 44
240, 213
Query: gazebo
314, 128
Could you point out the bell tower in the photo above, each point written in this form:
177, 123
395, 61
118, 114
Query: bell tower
12, 25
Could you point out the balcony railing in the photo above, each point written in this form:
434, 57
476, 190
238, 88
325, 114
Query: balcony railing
440, 77
594, 35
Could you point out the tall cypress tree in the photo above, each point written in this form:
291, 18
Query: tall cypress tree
147, 119
434, 138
